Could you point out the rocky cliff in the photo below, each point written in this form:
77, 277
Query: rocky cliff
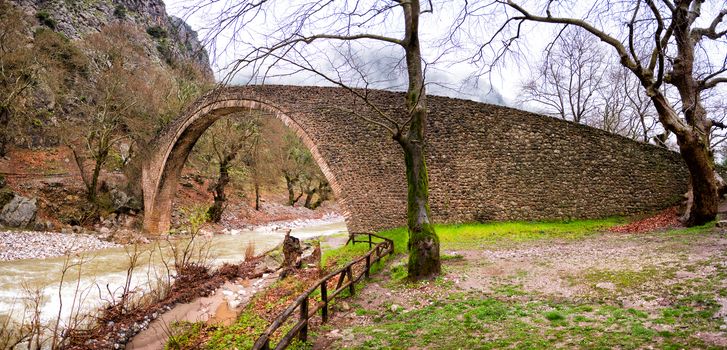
174, 39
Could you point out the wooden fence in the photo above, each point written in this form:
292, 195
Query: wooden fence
346, 280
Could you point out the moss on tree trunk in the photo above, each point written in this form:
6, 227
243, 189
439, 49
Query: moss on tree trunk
424, 261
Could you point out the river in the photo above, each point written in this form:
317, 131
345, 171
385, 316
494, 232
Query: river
105, 270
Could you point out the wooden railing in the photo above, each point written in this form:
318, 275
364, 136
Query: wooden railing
346, 280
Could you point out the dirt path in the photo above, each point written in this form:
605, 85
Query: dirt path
676, 283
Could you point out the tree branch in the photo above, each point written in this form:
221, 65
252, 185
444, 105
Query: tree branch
711, 31
708, 84
613, 42
310, 39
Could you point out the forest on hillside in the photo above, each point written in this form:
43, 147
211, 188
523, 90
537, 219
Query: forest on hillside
89, 107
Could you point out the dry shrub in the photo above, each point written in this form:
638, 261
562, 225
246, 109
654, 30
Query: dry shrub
250, 250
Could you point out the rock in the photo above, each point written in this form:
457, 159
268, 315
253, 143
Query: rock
347, 335
312, 255
128, 221
606, 285
105, 231
206, 232
344, 306
39, 227
267, 264
120, 200
77, 229
233, 304
19, 212
394, 308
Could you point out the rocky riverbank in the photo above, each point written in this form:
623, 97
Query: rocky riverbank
15, 245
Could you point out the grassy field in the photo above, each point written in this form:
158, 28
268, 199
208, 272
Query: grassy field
539, 285
548, 285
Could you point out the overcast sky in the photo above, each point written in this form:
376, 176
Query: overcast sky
445, 77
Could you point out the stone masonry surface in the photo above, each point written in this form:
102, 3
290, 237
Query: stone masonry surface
485, 162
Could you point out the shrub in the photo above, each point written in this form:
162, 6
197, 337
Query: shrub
58, 48
165, 50
157, 32
45, 19
120, 12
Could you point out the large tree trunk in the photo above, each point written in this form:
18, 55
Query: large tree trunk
218, 193
703, 198
93, 186
4, 123
309, 193
290, 184
257, 195
423, 243
692, 136
703, 203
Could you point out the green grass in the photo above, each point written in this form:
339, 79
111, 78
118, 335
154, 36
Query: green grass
467, 235
693, 230
475, 321
627, 279
460, 236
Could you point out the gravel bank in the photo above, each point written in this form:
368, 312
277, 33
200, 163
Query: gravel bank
15, 245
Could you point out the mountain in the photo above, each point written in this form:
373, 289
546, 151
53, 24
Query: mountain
174, 39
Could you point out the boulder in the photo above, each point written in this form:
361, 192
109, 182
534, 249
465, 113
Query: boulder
120, 200
19, 212
267, 264
311, 254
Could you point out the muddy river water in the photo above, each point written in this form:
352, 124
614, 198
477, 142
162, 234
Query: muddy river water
104, 272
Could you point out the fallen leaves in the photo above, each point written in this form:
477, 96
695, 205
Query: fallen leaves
668, 218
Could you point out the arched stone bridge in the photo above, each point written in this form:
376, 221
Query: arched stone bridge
485, 162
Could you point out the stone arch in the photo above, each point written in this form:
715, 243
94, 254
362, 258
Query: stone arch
161, 172
485, 162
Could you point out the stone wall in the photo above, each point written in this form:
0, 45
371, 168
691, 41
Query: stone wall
485, 162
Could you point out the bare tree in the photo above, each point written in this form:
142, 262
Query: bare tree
576, 80
571, 74
228, 138
302, 25
663, 43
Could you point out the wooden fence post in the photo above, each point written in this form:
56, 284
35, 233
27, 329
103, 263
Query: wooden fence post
351, 287
370, 242
324, 298
368, 265
303, 336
